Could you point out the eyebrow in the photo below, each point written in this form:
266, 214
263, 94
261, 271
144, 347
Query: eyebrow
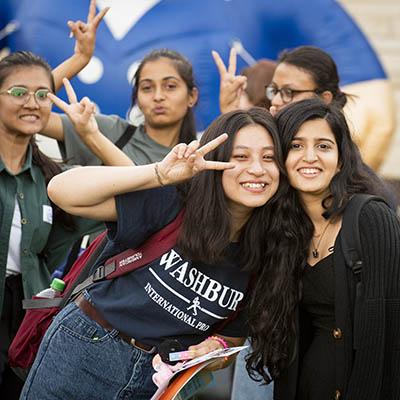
246, 147
26, 87
318, 139
163, 79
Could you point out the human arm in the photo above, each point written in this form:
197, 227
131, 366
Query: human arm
231, 85
82, 116
85, 34
90, 191
377, 319
371, 122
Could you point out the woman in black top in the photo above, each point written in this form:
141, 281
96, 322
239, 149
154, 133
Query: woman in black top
333, 350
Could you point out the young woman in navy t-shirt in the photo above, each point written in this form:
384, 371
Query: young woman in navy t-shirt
187, 292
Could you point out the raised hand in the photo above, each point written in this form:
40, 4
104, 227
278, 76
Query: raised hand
85, 32
231, 85
80, 113
186, 160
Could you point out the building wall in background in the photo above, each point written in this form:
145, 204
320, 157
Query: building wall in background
379, 20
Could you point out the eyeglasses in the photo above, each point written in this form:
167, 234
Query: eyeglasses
286, 93
21, 96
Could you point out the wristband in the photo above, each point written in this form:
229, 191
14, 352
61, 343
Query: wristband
219, 339
158, 174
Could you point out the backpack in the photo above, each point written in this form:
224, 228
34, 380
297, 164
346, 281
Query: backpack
41, 311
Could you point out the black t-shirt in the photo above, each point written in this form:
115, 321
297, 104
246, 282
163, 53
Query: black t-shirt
172, 297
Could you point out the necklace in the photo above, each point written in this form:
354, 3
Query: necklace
320, 236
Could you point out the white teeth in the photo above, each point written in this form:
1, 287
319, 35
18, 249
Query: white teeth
309, 170
29, 117
253, 185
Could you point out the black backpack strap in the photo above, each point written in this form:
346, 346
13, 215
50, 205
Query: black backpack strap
126, 136
350, 234
352, 253
72, 256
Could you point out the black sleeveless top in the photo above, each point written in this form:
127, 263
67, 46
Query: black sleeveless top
317, 351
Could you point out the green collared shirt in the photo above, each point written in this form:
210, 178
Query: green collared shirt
38, 231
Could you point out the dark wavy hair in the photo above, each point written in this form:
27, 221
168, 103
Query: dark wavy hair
278, 289
206, 227
320, 65
185, 71
8, 66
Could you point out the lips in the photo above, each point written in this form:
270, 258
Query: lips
159, 110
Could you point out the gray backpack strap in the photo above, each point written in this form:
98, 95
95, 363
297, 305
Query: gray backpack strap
28, 304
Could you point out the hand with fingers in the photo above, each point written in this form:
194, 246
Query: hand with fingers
85, 32
186, 160
207, 346
80, 113
231, 85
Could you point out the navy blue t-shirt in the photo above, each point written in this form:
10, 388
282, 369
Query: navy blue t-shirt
172, 297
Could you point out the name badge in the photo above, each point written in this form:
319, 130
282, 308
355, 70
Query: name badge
47, 214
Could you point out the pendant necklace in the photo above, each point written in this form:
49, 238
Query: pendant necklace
315, 252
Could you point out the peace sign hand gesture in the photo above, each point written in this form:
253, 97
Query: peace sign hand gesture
231, 85
80, 113
186, 160
85, 32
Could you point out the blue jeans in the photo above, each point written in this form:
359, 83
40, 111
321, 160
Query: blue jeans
244, 387
79, 359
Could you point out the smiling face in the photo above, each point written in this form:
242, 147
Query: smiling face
292, 77
29, 118
313, 159
255, 178
162, 95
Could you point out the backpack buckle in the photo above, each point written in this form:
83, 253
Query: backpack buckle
99, 274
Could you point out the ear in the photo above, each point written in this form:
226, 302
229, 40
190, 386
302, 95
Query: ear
327, 96
193, 97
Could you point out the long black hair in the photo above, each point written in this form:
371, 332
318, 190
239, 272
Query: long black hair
320, 65
278, 288
206, 228
185, 71
49, 168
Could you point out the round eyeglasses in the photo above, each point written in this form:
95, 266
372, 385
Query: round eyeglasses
286, 93
21, 95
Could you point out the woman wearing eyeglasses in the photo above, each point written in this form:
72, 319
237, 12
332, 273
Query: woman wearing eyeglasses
35, 234
301, 74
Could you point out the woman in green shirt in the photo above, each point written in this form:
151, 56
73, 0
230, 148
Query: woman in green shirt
35, 234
